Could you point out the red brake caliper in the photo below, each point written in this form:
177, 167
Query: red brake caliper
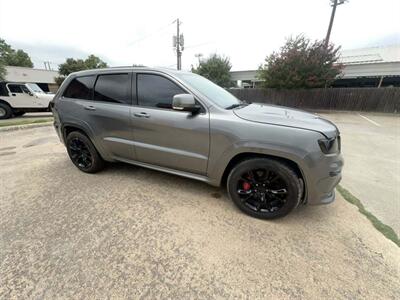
246, 186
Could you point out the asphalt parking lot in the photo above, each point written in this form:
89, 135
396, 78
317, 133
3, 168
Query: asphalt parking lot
371, 149
129, 232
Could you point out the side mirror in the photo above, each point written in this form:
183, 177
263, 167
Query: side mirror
185, 102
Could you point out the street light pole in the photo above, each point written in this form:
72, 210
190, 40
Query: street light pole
334, 4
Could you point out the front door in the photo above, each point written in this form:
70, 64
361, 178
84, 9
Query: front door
163, 136
20, 96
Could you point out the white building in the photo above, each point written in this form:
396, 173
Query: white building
43, 78
365, 67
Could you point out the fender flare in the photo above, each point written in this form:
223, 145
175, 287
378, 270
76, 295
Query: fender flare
90, 134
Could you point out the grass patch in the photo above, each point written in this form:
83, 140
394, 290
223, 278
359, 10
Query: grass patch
25, 121
386, 230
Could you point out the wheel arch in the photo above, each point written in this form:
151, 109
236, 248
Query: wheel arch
69, 127
5, 102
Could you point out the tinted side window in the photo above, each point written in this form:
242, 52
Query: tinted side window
15, 88
80, 88
113, 88
156, 91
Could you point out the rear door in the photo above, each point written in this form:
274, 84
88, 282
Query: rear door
102, 103
166, 137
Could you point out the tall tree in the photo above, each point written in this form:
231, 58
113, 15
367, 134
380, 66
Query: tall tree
74, 65
2, 71
11, 57
301, 63
215, 68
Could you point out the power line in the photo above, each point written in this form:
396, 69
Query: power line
198, 45
150, 34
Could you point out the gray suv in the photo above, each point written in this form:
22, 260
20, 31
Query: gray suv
270, 158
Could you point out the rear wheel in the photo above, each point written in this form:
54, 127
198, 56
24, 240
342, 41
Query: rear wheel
264, 188
5, 111
83, 153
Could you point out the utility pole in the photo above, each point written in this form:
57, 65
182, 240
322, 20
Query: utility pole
334, 4
199, 56
178, 43
47, 65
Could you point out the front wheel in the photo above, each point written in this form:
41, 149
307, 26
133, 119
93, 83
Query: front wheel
264, 188
83, 153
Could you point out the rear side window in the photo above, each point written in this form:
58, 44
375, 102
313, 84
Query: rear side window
80, 88
113, 88
156, 91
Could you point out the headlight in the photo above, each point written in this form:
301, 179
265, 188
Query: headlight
329, 146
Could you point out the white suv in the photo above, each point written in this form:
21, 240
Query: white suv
19, 98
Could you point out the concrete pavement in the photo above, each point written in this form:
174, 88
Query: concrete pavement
29, 116
129, 232
371, 149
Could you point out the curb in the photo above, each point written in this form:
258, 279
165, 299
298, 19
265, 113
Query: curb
25, 126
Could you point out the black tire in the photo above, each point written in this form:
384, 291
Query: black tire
5, 111
19, 113
264, 188
83, 154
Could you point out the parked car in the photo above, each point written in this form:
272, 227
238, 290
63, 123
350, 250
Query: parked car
270, 158
19, 98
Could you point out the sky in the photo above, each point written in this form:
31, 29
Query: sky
123, 33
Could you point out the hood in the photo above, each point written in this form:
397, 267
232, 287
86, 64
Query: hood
284, 116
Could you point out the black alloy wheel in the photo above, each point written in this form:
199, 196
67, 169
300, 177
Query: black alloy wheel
83, 153
80, 153
264, 188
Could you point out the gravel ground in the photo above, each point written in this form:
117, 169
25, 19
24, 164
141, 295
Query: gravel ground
129, 232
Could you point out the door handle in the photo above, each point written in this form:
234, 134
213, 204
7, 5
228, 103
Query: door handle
142, 115
89, 107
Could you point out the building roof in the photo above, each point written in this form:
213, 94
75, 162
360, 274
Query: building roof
22, 74
371, 55
363, 62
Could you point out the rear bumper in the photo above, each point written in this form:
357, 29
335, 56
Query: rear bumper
57, 127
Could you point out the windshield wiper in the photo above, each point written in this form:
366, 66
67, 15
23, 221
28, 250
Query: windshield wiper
236, 105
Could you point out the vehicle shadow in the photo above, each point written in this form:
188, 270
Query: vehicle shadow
204, 190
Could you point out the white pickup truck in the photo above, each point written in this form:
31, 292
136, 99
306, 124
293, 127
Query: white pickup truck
19, 98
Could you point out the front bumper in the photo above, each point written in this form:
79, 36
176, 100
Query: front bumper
322, 179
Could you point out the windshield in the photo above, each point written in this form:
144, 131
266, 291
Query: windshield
209, 89
34, 88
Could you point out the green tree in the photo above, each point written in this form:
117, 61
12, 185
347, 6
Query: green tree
11, 57
216, 68
93, 62
74, 65
301, 63
2, 71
